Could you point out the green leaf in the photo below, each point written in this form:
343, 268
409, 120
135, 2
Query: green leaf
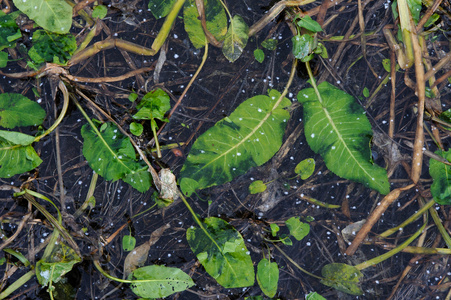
415, 9
366, 92
257, 187
314, 296
270, 44
160, 201
274, 229
308, 23
161, 8
221, 250
132, 97
18, 255
17, 110
336, 127
193, 25
434, 18
60, 262
112, 156
268, 277
128, 243
386, 63
429, 93
236, 39
16, 138
297, 228
3, 59
303, 45
136, 128
259, 55
188, 186
305, 168
321, 50
52, 15
99, 11
342, 277
446, 116
286, 241
153, 106
51, 47
16, 154
215, 18
159, 281
441, 174
9, 31
250, 137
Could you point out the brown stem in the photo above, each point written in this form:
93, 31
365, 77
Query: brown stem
374, 217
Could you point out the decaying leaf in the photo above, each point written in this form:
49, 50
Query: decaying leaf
169, 190
138, 256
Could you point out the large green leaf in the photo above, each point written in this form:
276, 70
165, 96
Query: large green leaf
18, 110
221, 250
159, 281
51, 47
16, 154
52, 15
342, 277
9, 31
249, 137
236, 39
441, 173
60, 262
215, 17
268, 277
336, 127
111, 155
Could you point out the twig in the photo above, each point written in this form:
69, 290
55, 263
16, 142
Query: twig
374, 217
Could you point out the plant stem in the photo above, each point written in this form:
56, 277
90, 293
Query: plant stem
227, 10
204, 59
296, 265
97, 132
99, 268
167, 25
198, 221
406, 29
411, 219
63, 89
390, 253
440, 227
28, 194
153, 125
313, 82
89, 195
17, 284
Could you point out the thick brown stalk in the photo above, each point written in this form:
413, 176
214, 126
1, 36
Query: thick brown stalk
374, 217
417, 159
109, 44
